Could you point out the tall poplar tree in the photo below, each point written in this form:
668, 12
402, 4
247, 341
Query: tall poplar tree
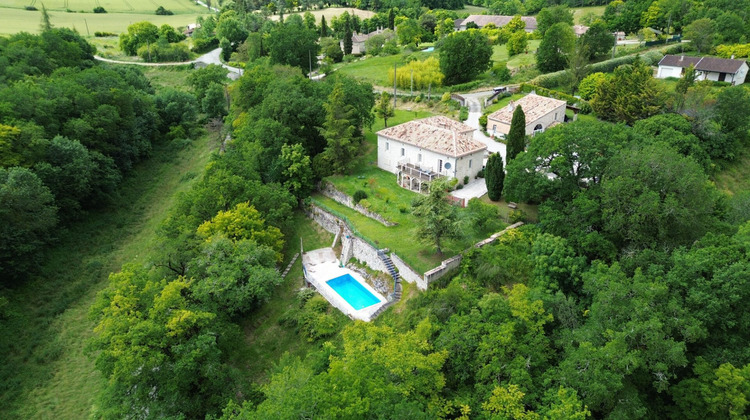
494, 176
516, 139
323, 27
347, 34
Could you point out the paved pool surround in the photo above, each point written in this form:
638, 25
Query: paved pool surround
321, 266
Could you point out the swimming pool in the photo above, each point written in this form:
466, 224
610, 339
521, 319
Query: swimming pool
353, 292
430, 49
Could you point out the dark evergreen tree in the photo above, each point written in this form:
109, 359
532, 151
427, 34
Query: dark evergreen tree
347, 35
323, 27
391, 19
494, 176
516, 139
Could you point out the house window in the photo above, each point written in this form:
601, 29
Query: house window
387, 146
555, 116
419, 157
469, 163
538, 129
403, 152
494, 126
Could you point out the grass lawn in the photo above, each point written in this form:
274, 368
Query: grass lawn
503, 102
376, 69
735, 176
580, 12
531, 210
111, 6
472, 10
19, 20
500, 54
392, 202
47, 373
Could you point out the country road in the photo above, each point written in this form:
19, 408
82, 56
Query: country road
212, 57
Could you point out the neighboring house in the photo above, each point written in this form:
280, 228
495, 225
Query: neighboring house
423, 150
191, 28
499, 21
457, 24
358, 42
706, 68
541, 113
580, 30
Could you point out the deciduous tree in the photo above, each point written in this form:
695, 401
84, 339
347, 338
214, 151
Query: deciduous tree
383, 108
437, 218
464, 55
558, 43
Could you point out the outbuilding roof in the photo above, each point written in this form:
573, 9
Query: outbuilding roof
712, 64
439, 134
533, 105
499, 21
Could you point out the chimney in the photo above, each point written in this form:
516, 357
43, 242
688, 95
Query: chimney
682, 57
732, 57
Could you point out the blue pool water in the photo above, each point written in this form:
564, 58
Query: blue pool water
353, 292
430, 49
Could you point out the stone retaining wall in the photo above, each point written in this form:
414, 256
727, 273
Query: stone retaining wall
328, 190
407, 273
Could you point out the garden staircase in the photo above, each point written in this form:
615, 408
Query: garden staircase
392, 271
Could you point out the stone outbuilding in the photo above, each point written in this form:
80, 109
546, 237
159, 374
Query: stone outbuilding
541, 113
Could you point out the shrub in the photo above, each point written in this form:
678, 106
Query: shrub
480, 174
502, 72
104, 34
99, 9
161, 11
517, 215
164, 52
202, 45
459, 186
466, 179
463, 114
365, 203
403, 209
31, 8
446, 97
359, 195
483, 121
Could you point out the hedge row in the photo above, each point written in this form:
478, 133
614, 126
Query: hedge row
558, 78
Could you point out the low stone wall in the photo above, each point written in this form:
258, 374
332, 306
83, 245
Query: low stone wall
365, 253
328, 190
446, 266
407, 273
326, 220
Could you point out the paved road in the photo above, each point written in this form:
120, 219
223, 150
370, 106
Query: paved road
474, 102
212, 57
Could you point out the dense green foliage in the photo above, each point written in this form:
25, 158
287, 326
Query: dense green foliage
557, 45
75, 129
494, 176
516, 138
463, 55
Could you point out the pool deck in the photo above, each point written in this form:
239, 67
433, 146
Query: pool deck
321, 265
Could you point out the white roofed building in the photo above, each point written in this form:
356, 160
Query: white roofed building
423, 150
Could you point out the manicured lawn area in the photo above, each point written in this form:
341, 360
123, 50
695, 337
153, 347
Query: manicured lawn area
472, 10
500, 54
376, 69
503, 102
735, 176
17, 20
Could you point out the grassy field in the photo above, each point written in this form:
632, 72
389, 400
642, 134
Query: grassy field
111, 6
580, 12
18, 20
473, 10
376, 69
331, 12
500, 54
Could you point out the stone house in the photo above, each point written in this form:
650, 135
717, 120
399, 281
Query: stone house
706, 68
541, 113
423, 150
498, 20
359, 40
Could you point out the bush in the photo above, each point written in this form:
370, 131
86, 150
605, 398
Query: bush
483, 121
203, 45
31, 8
466, 179
459, 186
161, 11
359, 195
480, 174
502, 72
164, 52
99, 9
104, 34
517, 215
463, 114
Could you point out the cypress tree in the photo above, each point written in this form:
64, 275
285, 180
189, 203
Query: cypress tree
347, 35
494, 176
517, 134
323, 27
391, 19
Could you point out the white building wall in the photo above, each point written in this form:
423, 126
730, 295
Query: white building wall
390, 154
739, 78
498, 128
668, 71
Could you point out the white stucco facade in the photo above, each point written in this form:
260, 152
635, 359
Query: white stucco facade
392, 152
669, 71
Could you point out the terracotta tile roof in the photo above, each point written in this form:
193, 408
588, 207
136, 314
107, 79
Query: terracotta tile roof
439, 134
712, 64
533, 105
499, 21
580, 29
